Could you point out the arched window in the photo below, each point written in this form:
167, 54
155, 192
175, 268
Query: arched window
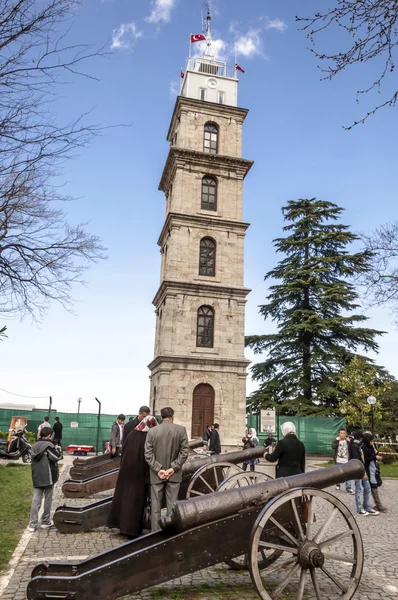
210, 141
205, 327
209, 193
207, 257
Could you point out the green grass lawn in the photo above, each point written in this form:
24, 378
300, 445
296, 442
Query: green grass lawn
15, 497
386, 470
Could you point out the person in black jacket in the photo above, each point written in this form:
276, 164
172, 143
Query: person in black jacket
214, 443
289, 452
372, 469
57, 430
44, 465
133, 422
357, 452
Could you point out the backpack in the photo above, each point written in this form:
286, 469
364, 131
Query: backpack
54, 470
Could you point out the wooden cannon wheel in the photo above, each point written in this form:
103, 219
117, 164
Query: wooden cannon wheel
208, 477
321, 547
241, 480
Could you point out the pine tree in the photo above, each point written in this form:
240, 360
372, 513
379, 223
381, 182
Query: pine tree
313, 304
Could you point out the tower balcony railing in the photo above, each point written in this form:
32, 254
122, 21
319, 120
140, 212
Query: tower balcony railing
208, 66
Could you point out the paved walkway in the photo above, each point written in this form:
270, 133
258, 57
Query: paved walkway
379, 580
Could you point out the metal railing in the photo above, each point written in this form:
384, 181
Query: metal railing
199, 64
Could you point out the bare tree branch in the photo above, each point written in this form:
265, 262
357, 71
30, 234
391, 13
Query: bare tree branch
372, 25
381, 282
41, 255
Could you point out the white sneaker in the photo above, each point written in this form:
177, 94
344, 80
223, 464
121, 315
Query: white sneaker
351, 492
47, 525
363, 512
337, 488
372, 511
31, 529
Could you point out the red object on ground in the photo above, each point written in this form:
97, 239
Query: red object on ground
79, 449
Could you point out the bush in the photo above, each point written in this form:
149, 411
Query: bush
3, 435
390, 457
29, 436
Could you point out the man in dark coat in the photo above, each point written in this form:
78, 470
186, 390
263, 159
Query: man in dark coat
131, 492
289, 452
44, 475
132, 424
166, 450
215, 444
57, 429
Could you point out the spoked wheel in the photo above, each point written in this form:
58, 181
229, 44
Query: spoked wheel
27, 457
321, 554
207, 479
241, 480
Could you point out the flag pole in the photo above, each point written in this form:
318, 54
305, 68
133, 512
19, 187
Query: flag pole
235, 59
190, 45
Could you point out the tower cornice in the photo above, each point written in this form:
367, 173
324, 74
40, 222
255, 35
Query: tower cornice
209, 108
179, 157
204, 221
201, 288
172, 359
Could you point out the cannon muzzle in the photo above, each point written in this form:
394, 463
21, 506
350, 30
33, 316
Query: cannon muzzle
204, 509
239, 456
196, 443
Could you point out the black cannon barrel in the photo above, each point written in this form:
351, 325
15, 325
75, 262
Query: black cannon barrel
231, 457
204, 509
196, 443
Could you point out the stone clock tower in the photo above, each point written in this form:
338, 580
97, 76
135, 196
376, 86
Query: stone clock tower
199, 367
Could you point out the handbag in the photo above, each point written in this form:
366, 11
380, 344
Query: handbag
378, 478
306, 507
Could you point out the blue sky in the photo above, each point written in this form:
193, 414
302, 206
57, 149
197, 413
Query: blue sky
294, 132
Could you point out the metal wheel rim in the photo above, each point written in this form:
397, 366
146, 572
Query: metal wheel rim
251, 478
293, 565
199, 475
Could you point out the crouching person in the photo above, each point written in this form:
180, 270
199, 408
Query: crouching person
45, 457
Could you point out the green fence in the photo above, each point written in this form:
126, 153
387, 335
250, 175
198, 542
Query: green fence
317, 433
85, 433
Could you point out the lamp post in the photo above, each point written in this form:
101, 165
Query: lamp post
372, 401
78, 405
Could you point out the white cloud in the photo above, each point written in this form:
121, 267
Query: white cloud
125, 36
174, 89
250, 44
161, 11
277, 24
222, 48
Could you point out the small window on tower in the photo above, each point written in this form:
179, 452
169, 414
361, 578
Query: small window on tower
207, 257
209, 193
221, 97
205, 327
210, 142
202, 94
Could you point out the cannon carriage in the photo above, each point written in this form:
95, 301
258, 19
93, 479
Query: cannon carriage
298, 539
201, 475
95, 466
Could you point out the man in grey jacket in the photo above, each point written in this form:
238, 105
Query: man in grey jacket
116, 437
166, 450
45, 457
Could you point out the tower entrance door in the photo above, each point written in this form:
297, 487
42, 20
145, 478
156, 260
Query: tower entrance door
202, 408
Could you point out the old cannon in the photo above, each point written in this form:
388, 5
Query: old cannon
101, 476
92, 467
301, 541
201, 475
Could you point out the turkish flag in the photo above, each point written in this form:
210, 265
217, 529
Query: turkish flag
238, 68
197, 37
182, 74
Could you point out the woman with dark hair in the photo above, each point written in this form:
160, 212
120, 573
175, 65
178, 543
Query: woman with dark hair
372, 469
289, 452
132, 486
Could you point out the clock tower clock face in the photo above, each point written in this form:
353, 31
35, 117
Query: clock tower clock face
212, 83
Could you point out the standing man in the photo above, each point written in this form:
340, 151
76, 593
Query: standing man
358, 453
44, 424
207, 434
44, 465
57, 430
116, 438
342, 454
132, 424
166, 450
215, 444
